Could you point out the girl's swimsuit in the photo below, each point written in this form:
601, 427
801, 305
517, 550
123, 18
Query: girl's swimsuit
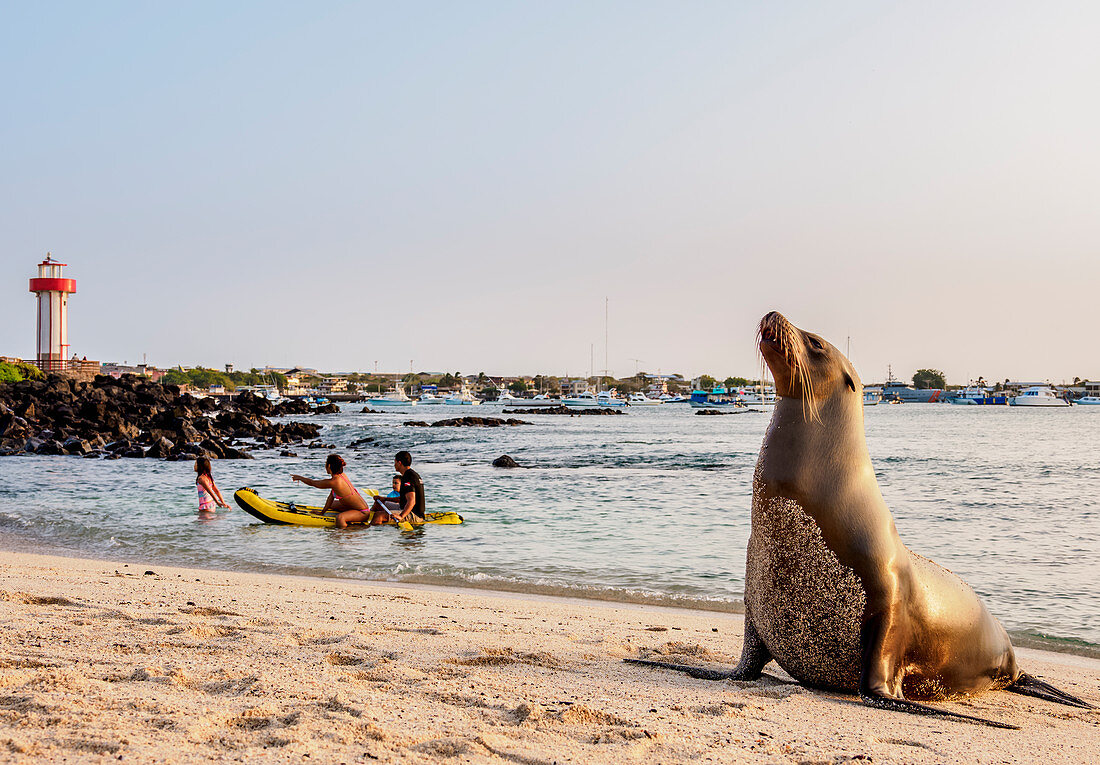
347, 480
206, 500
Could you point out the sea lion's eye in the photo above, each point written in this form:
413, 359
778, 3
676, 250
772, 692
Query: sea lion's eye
816, 344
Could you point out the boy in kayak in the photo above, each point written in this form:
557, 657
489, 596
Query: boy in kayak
396, 492
342, 495
410, 499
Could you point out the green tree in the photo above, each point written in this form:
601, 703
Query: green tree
519, 386
737, 382
30, 371
929, 378
9, 373
706, 382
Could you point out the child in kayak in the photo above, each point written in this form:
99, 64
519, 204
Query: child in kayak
396, 488
209, 496
342, 495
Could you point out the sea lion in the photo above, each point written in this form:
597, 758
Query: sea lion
831, 592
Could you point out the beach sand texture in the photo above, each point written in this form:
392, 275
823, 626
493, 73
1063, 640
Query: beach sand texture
105, 661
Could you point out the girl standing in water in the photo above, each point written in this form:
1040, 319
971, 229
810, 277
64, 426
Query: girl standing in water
209, 496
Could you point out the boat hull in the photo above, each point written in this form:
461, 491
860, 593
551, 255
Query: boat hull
291, 514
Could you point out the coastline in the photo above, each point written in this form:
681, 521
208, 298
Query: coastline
103, 659
608, 596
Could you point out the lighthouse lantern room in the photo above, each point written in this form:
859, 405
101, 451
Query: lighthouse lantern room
53, 291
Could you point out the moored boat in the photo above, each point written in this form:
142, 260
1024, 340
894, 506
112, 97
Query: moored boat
541, 401
396, 397
1038, 395
716, 397
462, 398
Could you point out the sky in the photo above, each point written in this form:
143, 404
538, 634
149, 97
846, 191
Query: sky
461, 186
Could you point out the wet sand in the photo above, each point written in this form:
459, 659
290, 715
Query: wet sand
105, 661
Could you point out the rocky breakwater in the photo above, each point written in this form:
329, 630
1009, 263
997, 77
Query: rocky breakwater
466, 422
135, 417
564, 410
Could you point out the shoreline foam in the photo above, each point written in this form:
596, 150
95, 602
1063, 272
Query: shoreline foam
101, 660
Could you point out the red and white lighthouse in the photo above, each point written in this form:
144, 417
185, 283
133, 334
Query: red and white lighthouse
53, 307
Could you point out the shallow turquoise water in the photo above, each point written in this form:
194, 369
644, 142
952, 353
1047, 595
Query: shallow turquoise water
652, 505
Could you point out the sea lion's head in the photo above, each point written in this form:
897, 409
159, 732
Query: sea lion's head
806, 366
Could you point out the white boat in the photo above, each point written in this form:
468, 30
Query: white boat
604, 399
1088, 400
507, 399
757, 399
592, 400
541, 401
641, 399
668, 398
1038, 395
585, 400
270, 392
430, 399
397, 397
462, 398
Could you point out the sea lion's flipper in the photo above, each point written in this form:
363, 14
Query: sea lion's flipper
913, 708
754, 656
881, 646
1028, 685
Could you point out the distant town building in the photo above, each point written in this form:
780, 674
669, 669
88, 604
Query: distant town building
657, 388
331, 385
294, 386
116, 370
573, 387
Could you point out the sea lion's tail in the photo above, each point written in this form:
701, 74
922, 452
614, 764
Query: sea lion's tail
1027, 685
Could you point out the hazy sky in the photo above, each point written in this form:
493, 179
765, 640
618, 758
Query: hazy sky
462, 184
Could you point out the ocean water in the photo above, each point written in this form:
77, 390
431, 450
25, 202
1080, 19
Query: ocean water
652, 506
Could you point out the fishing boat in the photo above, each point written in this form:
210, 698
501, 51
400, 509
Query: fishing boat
462, 398
584, 400
641, 399
716, 398
270, 392
397, 397
976, 396
872, 396
429, 396
758, 399
606, 399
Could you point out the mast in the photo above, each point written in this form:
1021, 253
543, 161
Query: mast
605, 369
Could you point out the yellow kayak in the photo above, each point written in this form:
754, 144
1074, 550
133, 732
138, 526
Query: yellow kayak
290, 514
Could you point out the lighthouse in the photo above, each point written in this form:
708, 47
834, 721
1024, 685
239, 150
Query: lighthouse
53, 291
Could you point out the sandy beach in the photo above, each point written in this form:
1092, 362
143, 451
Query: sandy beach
108, 661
